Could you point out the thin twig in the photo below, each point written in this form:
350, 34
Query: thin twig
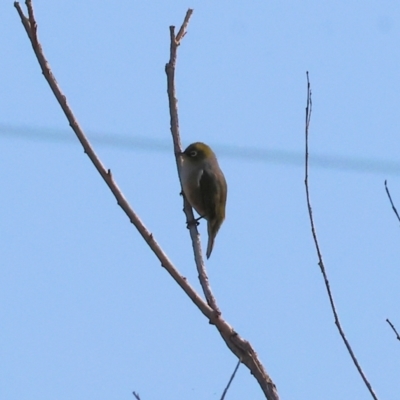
136, 395
240, 347
391, 201
230, 380
394, 329
173, 108
314, 235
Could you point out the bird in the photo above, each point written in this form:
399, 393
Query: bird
205, 187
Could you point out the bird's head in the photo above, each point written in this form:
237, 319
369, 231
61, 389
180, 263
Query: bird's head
198, 152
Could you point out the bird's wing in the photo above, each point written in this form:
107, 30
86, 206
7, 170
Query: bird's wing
208, 189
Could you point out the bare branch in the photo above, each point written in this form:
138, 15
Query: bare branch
240, 347
393, 328
314, 235
137, 397
391, 201
230, 380
105, 174
173, 109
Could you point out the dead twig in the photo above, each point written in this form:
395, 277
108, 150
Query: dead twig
230, 380
314, 235
391, 201
393, 328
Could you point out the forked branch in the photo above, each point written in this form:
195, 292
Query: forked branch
170, 68
240, 347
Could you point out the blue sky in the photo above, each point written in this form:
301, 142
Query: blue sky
85, 309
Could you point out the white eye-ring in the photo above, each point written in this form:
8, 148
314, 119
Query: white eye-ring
193, 153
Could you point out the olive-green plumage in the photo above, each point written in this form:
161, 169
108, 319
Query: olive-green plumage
205, 187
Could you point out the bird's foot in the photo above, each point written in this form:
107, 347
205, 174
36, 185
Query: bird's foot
193, 222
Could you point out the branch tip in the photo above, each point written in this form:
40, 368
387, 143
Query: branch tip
393, 328
391, 201
182, 30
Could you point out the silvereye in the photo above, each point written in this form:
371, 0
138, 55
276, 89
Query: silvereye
204, 187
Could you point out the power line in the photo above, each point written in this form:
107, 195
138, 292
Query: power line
134, 143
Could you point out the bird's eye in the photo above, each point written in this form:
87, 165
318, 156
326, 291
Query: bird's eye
193, 153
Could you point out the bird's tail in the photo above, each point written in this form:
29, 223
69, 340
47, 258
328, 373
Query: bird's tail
212, 228
210, 245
